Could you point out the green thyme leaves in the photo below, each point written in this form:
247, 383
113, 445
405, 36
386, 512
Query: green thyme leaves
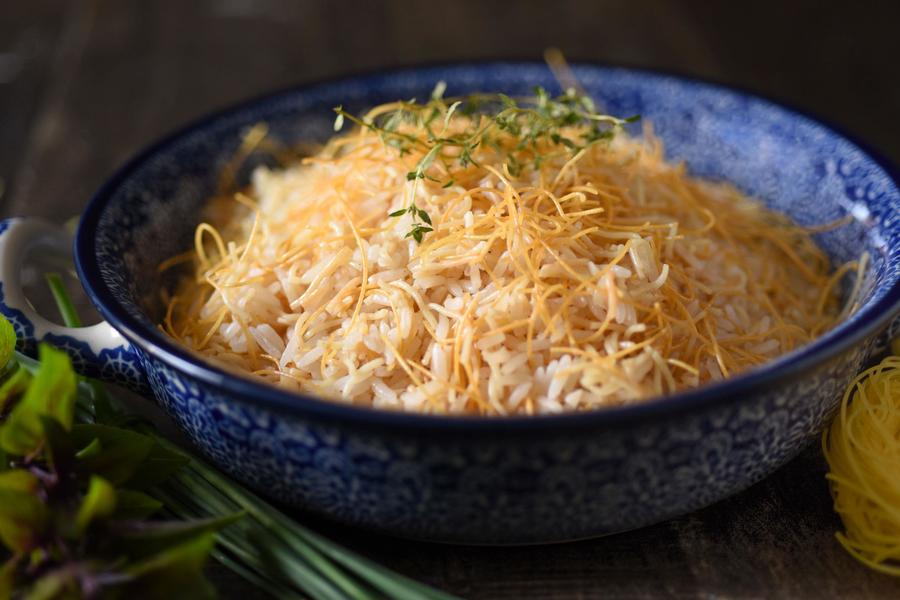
421, 221
448, 132
417, 232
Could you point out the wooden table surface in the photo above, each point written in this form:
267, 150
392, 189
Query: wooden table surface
85, 84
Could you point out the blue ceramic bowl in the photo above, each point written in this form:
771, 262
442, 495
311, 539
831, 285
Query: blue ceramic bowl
475, 480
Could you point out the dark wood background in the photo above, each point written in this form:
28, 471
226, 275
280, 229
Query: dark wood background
84, 84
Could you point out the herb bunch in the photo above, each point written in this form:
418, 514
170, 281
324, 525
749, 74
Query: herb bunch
446, 133
74, 505
95, 504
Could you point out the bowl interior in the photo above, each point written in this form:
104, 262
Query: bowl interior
148, 211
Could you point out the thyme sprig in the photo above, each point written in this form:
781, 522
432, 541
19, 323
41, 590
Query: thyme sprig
525, 132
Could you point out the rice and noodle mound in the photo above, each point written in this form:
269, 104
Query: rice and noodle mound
599, 279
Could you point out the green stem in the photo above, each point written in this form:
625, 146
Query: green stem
235, 538
63, 302
393, 584
276, 590
297, 544
99, 396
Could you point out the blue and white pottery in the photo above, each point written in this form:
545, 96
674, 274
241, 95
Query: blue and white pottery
466, 479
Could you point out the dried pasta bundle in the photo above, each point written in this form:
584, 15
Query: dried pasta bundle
863, 450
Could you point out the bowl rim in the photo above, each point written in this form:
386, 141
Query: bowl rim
766, 377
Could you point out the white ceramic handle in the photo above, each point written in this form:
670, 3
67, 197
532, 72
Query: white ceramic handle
96, 351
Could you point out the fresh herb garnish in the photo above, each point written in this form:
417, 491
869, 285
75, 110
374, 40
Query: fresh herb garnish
447, 133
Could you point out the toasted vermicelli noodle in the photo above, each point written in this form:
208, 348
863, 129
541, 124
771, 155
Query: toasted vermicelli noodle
863, 450
594, 280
